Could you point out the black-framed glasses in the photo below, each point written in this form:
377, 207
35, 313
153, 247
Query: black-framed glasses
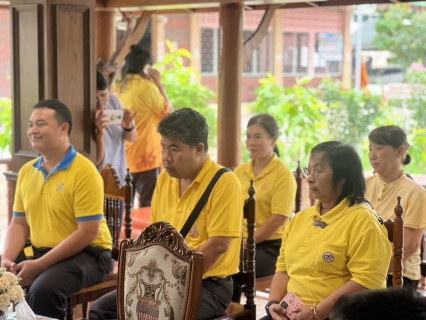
313, 173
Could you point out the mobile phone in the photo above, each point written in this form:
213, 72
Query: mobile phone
146, 69
291, 302
114, 116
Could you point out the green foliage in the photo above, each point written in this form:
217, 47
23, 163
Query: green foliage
5, 126
184, 89
402, 31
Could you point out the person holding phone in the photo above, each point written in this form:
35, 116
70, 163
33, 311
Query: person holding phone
337, 247
110, 138
142, 91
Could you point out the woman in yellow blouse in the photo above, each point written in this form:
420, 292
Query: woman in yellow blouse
275, 190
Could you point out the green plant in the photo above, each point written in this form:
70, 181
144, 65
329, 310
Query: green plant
5, 126
184, 89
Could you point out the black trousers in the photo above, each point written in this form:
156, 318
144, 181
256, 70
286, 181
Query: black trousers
144, 185
49, 292
216, 296
267, 253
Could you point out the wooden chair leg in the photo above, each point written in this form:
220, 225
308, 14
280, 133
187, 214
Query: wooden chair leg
70, 310
85, 307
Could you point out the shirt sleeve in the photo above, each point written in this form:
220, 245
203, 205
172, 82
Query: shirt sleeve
225, 208
18, 205
414, 213
284, 193
369, 254
89, 196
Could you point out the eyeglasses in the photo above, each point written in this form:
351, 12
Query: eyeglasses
102, 100
307, 172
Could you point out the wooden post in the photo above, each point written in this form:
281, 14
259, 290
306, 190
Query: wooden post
106, 39
230, 74
195, 40
398, 245
158, 43
278, 47
347, 50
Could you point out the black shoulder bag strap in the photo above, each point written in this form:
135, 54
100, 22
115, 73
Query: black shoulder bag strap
201, 203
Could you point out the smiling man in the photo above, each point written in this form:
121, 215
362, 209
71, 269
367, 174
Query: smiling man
58, 241
217, 231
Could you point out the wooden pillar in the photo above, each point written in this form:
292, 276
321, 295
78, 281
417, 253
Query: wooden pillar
53, 57
347, 50
158, 44
230, 74
195, 40
278, 47
106, 35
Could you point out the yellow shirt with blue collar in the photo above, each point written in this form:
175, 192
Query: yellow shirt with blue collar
275, 191
54, 203
320, 253
221, 216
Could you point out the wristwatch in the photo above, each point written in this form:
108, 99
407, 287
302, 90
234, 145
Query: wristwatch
268, 305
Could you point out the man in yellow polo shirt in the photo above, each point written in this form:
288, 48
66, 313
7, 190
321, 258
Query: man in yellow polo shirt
59, 207
217, 231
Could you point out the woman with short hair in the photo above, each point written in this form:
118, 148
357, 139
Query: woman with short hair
337, 247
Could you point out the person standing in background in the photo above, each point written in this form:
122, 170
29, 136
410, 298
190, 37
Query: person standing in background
141, 91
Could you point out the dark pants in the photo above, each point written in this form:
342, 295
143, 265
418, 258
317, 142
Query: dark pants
407, 283
216, 296
144, 184
267, 253
269, 318
49, 292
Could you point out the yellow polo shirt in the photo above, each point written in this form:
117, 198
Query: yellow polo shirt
353, 246
143, 98
275, 190
413, 198
53, 204
221, 216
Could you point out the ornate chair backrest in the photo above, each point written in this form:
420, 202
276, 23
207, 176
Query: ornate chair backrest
159, 276
115, 196
299, 178
396, 236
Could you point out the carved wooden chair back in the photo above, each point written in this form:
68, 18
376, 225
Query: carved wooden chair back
396, 236
116, 199
160, 277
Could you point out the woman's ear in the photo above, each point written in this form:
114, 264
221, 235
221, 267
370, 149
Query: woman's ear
401, 151
274, 140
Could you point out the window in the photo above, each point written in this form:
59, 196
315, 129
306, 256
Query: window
261, 60
209, 51
328, 55
296, 53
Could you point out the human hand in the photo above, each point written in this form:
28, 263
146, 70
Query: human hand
127, 119
9, 265
155, 76
305, 313
277, 312
28, 270
101, 122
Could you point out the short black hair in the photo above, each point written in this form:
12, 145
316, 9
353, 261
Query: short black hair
346, 164
392, 136
101, 81
186, 125
62, 113
389, 304
269, 124
137, 59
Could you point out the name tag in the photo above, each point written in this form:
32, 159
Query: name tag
321, 224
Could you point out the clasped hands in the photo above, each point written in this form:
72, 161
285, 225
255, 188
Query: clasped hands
303, 313
27, 270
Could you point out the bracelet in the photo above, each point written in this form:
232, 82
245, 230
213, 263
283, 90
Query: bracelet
314, 310
268, 305
129, 129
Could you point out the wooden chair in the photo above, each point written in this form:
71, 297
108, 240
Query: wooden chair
160, 277
247, 274
396, 236
115, 194
264, 283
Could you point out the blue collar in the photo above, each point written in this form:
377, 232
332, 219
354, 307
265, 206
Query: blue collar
63, 165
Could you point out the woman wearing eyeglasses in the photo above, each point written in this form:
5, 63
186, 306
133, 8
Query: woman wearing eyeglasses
275, 190
388, 153
334, 248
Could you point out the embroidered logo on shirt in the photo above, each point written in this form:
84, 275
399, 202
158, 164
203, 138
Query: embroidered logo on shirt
265, 187
60, 187
194, 232
328, 257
